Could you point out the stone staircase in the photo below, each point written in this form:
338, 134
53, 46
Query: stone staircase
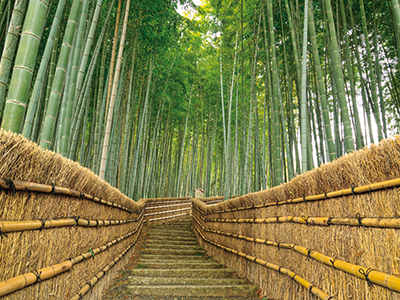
173, 264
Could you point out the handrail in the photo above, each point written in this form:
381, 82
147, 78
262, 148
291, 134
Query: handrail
377, 222
13, 226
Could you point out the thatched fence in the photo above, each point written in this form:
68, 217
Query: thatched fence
64, 232
331, 233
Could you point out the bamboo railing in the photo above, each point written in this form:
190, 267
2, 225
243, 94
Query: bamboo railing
148, 210
221, 227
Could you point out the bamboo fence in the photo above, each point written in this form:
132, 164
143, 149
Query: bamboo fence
64, 231
336, 226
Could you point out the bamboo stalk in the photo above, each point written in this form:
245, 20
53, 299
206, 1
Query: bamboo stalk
21, 281
167, 212
13, 226
313, 289
18, 185
389, 281
321, 221
165, 206
169, 217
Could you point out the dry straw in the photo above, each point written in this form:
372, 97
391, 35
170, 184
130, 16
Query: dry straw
295, 277
357, 193
49, 189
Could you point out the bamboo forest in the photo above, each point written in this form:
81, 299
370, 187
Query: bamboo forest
232, 96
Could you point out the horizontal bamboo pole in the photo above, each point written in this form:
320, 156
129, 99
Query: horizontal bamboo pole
18, 185
313, 289
167, 212
89, 285
169, 217
389, 281
12, 226
345, 192
166, 206
320, 221
103, 248
21, 281
16, 283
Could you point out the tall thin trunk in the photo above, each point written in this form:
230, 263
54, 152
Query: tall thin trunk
17, 98
337, 67
304, 113
113, 94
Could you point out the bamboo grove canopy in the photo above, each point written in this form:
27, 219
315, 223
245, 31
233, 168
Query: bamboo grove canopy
233, 96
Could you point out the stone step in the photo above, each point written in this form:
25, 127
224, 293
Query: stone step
171, 242
176, 224
184, 273
175, 252
170, 236
171, 229
175, 257
168, 264
137, 280
173, 246
195, 290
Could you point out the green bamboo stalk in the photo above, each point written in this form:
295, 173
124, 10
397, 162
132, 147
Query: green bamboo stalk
70, 88
275, 79
378, 71
337, 67
39, 82
2, 8
183, 144
59, 77
372, 74
114, 88
10, 46
124, 163
360, 72
304, 137
349, 66
396, 21
228, 165
14, 113
294, 46
99, 109
89, 41
321, 89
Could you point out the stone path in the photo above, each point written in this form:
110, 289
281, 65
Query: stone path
173, 266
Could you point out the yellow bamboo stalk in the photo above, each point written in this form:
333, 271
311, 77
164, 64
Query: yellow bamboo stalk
12, 226
313, 289
169, 217
18, 185
21, 281
320, 221
389, 281
166, 206
167, 212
